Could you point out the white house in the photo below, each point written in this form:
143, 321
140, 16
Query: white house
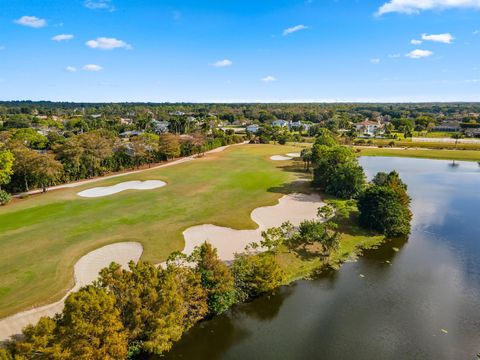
160, 126
253, 128
280, 123
368, 127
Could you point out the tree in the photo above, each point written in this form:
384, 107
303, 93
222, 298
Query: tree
337, 171
326, 138
457, 136
306, 156
169, 146
217, 279
255, 275
90, 326
82, 155
22, 166
46, 170
381, 209
314, 231
40, 341
156, 306
6, 166
274, 237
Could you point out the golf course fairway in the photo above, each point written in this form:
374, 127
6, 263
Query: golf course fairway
43, 236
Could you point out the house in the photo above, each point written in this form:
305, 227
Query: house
473, 132
177, 113
253, 129
128, 134
160, 127
368, 128
126, 121
280, 123
448, 126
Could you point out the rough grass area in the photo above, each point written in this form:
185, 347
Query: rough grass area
354, 240
43, 236
423, 145
466, 155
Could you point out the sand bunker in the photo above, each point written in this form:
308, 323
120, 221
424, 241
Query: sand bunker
86, 271
294, 208
280, 158
294, 155
128, 185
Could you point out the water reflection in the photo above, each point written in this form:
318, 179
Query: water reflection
415, 299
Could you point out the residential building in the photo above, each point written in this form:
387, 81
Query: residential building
448, 126
253, 129
369, 128
280, 123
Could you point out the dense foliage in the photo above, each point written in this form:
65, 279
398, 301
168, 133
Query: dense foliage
145, 309
336, 170
384, 205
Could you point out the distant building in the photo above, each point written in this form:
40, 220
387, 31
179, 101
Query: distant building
177, 113
128, 134
369, 128
126, 121
280, 123
448, 126
475, 132
253, 129
160, 127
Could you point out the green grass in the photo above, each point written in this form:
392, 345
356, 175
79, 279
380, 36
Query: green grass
466, 155
43, 236
424, 145
353, 241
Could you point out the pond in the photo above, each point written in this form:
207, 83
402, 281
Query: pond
416, 299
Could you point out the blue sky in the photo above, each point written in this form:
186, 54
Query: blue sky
262, 50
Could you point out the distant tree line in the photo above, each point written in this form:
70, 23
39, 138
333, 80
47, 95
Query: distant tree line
29, 160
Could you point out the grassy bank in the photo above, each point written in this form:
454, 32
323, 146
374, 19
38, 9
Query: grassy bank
465, 155
438, 145
43, 236
353, 241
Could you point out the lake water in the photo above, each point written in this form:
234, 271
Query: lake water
420, 302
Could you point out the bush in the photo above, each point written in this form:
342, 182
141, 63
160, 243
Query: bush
5, 197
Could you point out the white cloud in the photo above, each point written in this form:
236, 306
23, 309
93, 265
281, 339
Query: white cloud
294, 29
418, 54
476, 32
62, 37
31, 21
71, 69
415, 6
443, 38
105, 43
92, 67
269, 78
375, 61
394, 56
222, 63
415, 42
99, 5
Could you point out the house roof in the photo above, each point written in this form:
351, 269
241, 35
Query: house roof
367, 123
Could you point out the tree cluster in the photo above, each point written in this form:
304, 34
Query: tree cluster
145, 309
385, 205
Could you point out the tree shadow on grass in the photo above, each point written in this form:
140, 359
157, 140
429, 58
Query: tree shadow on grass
296, 186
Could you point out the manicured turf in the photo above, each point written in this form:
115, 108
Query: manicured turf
467, 155
42, 237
